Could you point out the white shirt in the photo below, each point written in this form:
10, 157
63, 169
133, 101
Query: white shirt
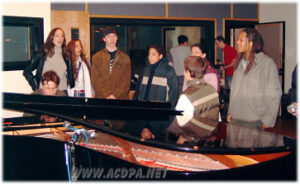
83, 81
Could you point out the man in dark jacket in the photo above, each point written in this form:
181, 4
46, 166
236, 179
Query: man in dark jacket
157, 82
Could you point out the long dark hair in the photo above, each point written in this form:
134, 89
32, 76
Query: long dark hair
253, 36
72, 57
48, 47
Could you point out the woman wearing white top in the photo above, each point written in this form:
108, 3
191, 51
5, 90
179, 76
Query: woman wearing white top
81, 71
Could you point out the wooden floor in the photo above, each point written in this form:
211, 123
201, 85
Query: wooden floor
286, 127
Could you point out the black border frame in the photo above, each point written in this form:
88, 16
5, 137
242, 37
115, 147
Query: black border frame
36, 37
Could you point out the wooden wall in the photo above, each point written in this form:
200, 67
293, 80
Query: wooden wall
73, 19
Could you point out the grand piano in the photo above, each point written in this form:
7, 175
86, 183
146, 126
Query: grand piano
85, 139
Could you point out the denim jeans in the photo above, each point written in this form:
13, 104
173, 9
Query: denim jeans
228, 80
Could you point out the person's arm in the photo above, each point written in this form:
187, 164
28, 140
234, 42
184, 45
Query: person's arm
71, 80
87, 81
185, 105
169, 58
98, 81
173, 88
31, 66
271, 96
234, 58
138, 86
229, 65
293, 108
292, 95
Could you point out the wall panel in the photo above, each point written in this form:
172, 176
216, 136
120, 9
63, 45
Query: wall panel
73, 19
245, 10
129, 9
68, 6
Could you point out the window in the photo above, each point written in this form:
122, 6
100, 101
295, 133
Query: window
22, 36
135, 35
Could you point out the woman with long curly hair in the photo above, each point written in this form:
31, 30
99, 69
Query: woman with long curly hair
81, 70
255, 91
53, 55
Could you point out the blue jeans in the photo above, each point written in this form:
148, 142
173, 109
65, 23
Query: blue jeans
228, 80
180, 83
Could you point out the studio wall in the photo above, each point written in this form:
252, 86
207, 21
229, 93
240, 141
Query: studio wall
264, 12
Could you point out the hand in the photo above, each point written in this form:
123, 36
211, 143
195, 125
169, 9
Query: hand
222, 68
48, 119
219, 62
293, 108
146, 134
181, 140
111, 97
264, 127
228, 118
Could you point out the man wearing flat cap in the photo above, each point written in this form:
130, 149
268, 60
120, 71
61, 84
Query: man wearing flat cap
111, 71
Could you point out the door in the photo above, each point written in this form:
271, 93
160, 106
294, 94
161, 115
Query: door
273, 34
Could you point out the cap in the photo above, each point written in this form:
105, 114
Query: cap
109, 30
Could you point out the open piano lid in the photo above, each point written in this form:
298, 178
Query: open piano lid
117, 138
89, 107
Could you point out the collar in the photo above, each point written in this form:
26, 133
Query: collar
109, 51
57, 50
226, 46
162, 60
194, 82
259, 57
79, 59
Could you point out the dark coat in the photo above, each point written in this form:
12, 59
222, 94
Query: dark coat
164, 86
37, 62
